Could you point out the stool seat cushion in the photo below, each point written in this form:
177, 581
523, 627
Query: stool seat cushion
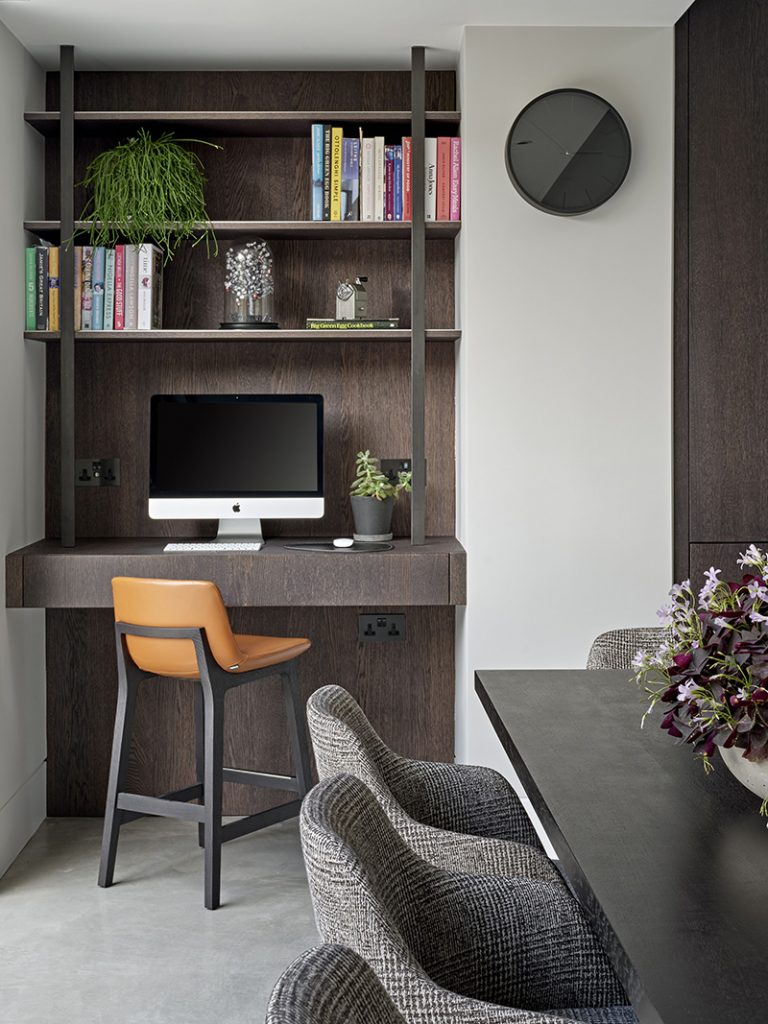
254, 652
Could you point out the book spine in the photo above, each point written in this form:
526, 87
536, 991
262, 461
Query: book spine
149, 302
78, 258
397, 201
119, 319
30, 290
317, 172
455, 179
144, 295
157, 289
407, 178
131, 284
430, 182
109, 290
443, 203
366, 188
99, 267
389, 182
41, 288
54, 315
378, 177
337, 136
350, 179
326, 172
86, 295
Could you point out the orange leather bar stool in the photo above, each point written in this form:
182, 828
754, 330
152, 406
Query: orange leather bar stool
181, 628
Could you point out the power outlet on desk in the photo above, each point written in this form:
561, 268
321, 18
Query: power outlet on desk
381, 627
97, 472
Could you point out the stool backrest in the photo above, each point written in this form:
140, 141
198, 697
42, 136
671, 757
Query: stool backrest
174, 604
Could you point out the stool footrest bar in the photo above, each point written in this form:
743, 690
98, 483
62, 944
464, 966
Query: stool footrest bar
160, 807
265, 779
254, 822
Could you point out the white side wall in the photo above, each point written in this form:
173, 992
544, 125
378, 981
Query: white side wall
22, 408
565, 369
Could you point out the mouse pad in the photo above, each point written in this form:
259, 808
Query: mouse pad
358, 545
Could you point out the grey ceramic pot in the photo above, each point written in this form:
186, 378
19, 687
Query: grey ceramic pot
373, 518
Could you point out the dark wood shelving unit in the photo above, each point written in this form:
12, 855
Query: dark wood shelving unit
191, 334
224, 123
225, 230
390, 391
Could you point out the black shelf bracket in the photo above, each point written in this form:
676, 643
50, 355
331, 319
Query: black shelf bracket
418, 296
67, 293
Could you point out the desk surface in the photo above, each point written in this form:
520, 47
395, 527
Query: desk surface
46, 575
672, 865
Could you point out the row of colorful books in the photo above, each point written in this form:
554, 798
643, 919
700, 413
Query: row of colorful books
357, 178
116, 289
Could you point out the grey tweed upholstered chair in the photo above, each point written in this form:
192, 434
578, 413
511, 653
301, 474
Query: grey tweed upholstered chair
449, 947
617, 647
454, 816
331, 985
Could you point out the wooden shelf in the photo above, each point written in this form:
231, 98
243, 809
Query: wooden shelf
219, 123
303, 229
440, 334
46, 575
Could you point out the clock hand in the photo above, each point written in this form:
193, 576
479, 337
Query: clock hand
551, 139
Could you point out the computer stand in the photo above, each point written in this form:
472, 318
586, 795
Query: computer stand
240, 531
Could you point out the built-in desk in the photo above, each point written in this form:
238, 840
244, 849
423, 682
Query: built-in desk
46, 575
405, 687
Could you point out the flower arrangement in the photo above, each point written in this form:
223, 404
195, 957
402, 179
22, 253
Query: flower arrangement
711, 675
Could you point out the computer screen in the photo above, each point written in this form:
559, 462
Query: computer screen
257, 446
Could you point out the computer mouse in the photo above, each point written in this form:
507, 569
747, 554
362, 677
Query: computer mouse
343, 542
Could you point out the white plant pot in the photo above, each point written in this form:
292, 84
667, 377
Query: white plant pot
752, 774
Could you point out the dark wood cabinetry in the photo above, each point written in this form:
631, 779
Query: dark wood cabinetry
378, 396
721, 322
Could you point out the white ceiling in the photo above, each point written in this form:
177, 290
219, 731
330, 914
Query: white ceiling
305, 34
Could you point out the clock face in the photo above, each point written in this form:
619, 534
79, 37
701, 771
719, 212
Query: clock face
568, 152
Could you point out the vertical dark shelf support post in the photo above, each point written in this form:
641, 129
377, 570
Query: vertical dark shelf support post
66, 293
418, 297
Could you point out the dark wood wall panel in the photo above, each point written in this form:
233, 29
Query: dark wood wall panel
727, 211
405, 688
252, 90
367, 405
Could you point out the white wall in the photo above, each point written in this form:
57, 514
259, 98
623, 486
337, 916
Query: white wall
22, 405
565, 368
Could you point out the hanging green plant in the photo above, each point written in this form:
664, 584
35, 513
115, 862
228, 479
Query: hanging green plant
148, 189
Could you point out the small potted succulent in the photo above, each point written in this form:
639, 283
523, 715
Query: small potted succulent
373, 497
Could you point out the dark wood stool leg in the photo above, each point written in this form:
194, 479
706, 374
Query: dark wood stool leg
297, 728
200, 752
212, 790
128, 678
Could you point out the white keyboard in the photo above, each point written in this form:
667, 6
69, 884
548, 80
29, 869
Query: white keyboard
215, 546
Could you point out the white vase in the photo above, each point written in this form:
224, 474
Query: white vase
752, 774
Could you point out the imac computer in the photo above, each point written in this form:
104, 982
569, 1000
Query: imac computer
238, 459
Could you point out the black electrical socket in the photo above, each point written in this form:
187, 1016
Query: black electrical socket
97, 472
391, 467
381, 626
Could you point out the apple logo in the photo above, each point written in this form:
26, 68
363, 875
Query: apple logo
236, 507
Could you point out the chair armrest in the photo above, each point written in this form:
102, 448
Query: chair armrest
461, 798
475, 855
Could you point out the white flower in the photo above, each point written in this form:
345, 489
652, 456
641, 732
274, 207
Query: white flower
685, 691
753, 556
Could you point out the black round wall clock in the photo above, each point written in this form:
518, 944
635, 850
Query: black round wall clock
568, 152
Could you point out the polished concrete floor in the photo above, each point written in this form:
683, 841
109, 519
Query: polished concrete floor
146, 951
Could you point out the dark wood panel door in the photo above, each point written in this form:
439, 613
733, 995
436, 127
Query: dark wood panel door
728, 286
721, 556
